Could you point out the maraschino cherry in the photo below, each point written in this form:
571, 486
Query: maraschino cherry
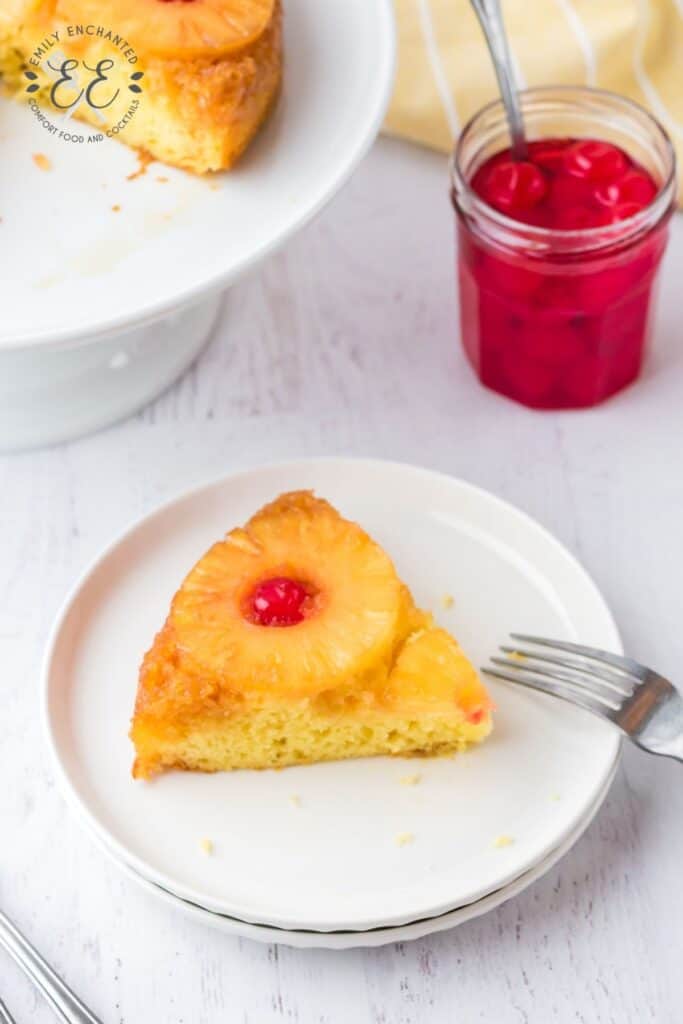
515, 185
556, 333
565, 184
279, 601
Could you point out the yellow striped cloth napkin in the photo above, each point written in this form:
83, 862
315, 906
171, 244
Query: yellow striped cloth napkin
633, 47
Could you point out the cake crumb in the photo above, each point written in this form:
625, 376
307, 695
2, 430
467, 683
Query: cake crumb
410, 780
403, 838
207, 846
295, 800
116, 208
516, 656
447, 601
555, 797
42, 162
144, 160
161, 179
502, 841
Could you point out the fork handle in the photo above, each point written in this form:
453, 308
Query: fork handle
5, 1016
63, 1001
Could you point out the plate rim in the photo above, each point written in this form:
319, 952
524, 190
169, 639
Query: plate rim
294, 465
380, 936
374, 112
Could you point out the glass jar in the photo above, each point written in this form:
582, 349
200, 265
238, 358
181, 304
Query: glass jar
560, 318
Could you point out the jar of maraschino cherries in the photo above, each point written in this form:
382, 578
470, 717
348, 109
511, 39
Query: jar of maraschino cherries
558, 254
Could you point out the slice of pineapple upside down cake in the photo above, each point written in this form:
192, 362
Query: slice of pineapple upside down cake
293, 640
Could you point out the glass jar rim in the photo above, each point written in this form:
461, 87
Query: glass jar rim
579, 239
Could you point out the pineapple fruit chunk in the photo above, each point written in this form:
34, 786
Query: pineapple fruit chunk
212, 69
180, 29
292, 641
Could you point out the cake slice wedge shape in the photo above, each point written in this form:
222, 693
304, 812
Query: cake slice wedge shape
293, 640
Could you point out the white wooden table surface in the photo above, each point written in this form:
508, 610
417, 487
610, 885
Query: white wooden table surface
346, 342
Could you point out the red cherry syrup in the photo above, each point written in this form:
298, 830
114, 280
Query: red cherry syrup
559, 330
279, 601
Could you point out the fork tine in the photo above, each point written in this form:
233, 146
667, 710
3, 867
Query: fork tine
572, 696
558, 676
614, 681
627, 665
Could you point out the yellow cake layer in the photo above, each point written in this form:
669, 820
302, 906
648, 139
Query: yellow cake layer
279, 736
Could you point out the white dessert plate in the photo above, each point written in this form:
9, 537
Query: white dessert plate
73, 266
333, 862
371, 937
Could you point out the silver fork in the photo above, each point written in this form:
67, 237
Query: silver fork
5, 1016
63, 1001
644, 705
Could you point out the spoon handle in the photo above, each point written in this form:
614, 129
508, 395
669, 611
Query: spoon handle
491, 20
66, 1005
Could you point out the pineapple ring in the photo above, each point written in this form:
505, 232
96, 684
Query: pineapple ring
362, 610
176, 29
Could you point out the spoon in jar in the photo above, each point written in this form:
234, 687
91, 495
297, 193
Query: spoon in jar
491, 21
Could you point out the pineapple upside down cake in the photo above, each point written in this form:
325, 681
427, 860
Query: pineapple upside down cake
292, 641
211, 69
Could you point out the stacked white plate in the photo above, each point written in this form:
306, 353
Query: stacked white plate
317, 855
